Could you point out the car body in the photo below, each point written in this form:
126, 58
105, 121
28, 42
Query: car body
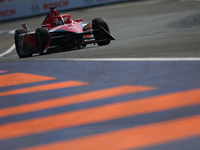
59, 32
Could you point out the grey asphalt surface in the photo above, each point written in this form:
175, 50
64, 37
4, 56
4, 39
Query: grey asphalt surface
143, 29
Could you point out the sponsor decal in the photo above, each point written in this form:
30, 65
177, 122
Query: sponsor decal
101, 0
57, 4
88, 1
7, 12
35, 8
5, 1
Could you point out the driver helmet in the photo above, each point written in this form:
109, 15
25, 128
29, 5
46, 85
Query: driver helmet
57, 22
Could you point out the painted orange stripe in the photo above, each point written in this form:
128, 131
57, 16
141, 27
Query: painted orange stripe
100, 113
89, 96
137, 137
21, 78
44, 88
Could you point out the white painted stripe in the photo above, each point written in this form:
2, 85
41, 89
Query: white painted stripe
12, 32
8, 51
127, 59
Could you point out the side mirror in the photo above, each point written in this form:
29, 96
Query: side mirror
78, 20
47, 26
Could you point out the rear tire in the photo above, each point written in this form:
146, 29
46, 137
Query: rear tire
20, 51
99, 35
42, 35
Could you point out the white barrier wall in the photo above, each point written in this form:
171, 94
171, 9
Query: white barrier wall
11, 9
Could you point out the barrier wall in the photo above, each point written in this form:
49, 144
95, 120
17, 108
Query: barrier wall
12, 9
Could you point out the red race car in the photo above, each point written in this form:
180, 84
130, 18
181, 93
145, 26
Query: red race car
59, 32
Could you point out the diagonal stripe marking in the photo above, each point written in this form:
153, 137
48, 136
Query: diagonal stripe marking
132, 138
21, 78
100, 113
84, 97
44, 88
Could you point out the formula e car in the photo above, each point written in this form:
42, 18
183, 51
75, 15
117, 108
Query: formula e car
60, 32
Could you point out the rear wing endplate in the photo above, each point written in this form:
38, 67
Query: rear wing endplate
24, 26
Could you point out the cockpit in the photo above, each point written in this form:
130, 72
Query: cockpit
52, 19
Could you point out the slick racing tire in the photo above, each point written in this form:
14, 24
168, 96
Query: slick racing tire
99, 35
20, 51
41, 37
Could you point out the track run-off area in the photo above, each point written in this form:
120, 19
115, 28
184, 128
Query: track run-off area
142, 91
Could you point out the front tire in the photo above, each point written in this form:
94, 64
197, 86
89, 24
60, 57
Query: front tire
42, 36
99, 35
21, 46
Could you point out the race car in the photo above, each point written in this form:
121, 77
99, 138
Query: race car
59, 32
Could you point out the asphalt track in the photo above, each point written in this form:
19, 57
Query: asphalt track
140, 92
